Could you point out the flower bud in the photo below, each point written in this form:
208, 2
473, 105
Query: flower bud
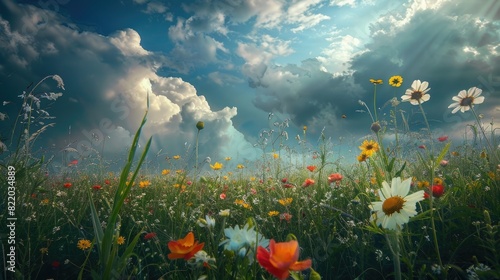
200, 125
291, 237
375, 127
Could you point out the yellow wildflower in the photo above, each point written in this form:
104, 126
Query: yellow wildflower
120, 240
165, 172
83, 244
363, 156
275, 156
437, 181
285, 201
177, 157
273, 213
216, 166
376, 82
396, 81
240, 166
423, 184
143, 184
369, 147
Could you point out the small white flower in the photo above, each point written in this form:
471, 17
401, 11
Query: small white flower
224, 213
59, 80
466, 100
51, 96
417, 94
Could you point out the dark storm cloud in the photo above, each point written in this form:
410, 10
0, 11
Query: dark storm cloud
451, 47
110, 78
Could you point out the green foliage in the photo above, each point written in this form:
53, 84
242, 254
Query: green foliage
111, 265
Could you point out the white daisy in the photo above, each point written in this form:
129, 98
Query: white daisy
417, 93
466, 100
396, 206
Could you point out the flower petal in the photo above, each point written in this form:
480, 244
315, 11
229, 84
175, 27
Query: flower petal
195, 249
263, 257
284, 254
416, 85
424, 86
302, 265
462, 94
479, 100
188, 240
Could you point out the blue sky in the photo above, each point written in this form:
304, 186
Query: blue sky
232, 62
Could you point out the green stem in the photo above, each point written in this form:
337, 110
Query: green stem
433, 223
425, 119
396, 124
492, 151
375, 101
393, 242
196, 163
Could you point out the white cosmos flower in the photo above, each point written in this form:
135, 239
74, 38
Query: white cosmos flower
396, 206
417, 93
465, 100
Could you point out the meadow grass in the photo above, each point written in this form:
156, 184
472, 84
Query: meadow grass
105, 225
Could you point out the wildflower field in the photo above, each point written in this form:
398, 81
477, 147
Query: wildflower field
427, 212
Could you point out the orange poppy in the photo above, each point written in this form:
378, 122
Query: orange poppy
184, 248
282, 257
308, 182
311, 168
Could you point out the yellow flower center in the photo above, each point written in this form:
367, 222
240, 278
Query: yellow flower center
393, 204
467, 101
416, 95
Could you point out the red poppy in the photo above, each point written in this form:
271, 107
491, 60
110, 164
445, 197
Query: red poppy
67, 185
286, 216
107, 182
437, 191
281, 258
149, 235
308, 182
73, 162
96, 187
284, 180
222, 196
443, 138
422, 147
288, 186
334, 177
311, 168
184, 248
